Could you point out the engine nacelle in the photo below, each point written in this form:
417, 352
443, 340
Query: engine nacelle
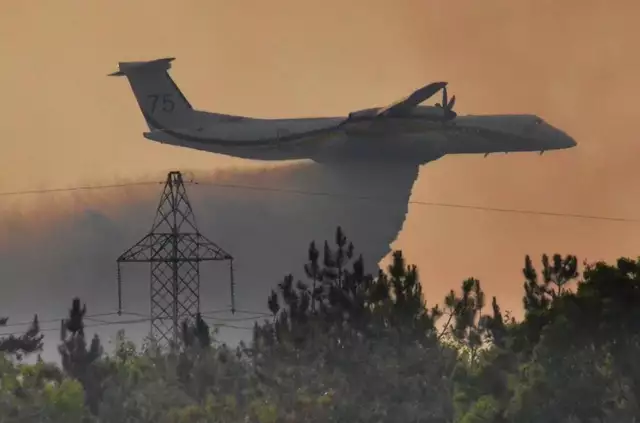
436, 113
363, 114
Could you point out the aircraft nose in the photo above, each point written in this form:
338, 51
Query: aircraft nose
568, 141
562, 139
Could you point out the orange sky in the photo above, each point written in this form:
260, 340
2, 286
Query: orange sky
574, 62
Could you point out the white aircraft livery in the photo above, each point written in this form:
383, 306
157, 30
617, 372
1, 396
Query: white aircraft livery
370, 147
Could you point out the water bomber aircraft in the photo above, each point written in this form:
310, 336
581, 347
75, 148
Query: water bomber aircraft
388, 143
403, 132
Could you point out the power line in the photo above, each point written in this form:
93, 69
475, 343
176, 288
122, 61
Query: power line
224, 325
235, 319
114, 313
239, 311
123, 322
529, 212
421, 203
27, 323
140, 319
336, 195
78, 188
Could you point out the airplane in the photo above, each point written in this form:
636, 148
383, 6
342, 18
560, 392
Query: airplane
398, 138
404, 132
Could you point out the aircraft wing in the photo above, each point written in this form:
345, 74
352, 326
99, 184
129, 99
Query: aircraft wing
412, 100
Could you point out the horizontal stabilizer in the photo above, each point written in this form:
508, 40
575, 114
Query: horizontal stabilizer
157, 64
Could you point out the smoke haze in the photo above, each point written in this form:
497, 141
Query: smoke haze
64, 123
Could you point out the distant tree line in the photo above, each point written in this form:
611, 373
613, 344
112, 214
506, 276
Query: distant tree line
346, 346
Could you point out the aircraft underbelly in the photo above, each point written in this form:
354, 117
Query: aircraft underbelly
391, 128
277, 131
325, 145
472, 141
393, 149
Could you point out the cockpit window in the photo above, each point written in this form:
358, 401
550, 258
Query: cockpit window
538, 121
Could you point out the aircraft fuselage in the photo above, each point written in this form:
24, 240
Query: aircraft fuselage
417, 138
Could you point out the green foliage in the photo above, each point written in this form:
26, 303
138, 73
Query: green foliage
79, 361
65, 401
344, 346
19, 346
485, 410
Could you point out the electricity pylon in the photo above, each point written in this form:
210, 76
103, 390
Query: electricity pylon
174, 248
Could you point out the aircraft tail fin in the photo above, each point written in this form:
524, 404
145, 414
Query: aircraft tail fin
162, 103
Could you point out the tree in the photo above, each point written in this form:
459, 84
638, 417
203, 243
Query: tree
196, 334
79, 361
19, 346
361, 325
580, 347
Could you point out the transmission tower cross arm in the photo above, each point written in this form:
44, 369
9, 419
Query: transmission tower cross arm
181, 247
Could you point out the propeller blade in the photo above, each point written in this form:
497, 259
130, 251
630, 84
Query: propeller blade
451, 103
444, 97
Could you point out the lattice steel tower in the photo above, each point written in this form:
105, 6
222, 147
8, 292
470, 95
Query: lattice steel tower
174, 248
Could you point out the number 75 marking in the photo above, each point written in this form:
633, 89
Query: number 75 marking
163, 100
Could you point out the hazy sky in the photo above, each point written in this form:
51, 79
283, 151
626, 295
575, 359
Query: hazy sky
573, 62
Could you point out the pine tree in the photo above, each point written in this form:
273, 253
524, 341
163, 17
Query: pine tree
78, 361
342, 295
196, 333
28, 343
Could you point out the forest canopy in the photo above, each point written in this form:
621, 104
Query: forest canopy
345, 346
